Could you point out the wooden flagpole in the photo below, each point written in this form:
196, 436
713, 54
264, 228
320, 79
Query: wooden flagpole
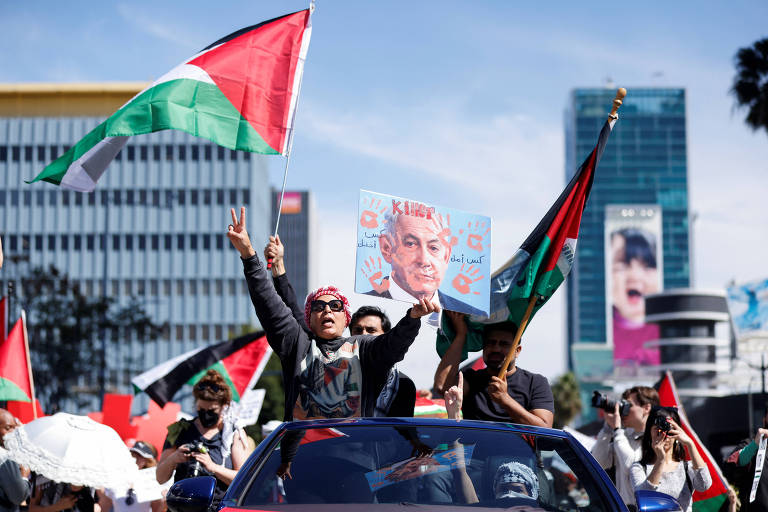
617, 101
29, 362
518, 335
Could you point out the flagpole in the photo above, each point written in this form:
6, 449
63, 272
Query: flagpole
518, 335
617, 101
29, 362
290, 143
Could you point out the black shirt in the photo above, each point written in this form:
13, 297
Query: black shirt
530, 390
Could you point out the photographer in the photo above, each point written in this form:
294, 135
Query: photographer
199, 447
619, 443
663, 467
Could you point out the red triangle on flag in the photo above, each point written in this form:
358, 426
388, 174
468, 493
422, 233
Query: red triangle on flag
256, 71
15, 382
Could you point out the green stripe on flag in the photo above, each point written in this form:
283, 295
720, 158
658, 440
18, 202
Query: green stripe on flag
710, 504
195, 107
10, 391
219, 367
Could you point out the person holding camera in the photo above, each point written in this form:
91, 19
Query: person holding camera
619, 442
203, 446
663, 466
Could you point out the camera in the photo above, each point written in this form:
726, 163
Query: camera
663, 424
198, 447
600, 401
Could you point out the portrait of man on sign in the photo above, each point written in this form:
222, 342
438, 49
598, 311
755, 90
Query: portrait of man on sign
408, 250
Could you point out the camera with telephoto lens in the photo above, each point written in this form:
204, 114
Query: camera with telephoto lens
663, 424
198, 447
600, 401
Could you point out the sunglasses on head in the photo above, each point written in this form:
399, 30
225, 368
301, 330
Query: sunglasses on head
336, 305
209, 385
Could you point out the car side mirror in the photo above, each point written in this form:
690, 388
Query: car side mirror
191, 494
652, 501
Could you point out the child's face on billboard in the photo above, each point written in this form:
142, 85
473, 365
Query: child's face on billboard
631, 282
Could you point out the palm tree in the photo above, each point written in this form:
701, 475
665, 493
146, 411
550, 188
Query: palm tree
750, 86
567, 399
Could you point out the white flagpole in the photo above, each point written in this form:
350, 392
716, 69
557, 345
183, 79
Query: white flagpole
29, 362
290, 140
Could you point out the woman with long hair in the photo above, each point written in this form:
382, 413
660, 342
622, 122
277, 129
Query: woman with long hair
663, 466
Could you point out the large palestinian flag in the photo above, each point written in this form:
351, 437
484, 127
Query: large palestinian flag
240, 92
542, 263
713, 498
240, 361
15, 379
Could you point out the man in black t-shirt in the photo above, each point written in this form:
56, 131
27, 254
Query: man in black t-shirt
523, 397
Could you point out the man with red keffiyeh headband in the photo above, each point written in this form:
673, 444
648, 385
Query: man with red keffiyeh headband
325, 375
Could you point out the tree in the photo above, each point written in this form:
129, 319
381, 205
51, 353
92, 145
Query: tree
567, 400
65, 329
750, 86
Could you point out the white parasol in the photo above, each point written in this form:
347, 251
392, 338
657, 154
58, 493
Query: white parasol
73, 449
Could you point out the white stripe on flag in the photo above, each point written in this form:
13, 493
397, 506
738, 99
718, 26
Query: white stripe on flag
144, 380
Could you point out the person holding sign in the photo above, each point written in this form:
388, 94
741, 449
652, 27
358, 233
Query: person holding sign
418, 250
523, 397
325, 375
752, 480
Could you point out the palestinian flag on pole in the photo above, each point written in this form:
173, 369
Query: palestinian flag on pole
240, 92
713, 498
542, 263
240, 362
15, 372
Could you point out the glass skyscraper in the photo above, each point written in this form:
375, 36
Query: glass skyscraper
644, 163
153, 229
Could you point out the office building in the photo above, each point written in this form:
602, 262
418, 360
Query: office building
640, 193
153, 229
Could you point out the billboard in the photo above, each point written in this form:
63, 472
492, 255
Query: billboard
633, 269
407, 250
748, 304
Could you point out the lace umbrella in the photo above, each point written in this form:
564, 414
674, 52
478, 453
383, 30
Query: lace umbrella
72, 449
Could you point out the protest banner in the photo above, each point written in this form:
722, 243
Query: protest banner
407, 250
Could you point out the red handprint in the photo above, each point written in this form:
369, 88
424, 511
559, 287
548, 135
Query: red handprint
372, 270
476, 234
370, 217
465, 278
444, 229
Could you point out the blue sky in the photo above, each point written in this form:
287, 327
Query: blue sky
454, 103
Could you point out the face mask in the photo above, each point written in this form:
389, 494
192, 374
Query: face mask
207, 417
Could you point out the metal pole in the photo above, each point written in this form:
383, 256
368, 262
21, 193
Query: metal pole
103, 358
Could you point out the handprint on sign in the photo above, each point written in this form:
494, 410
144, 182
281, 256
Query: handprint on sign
374, 208
444, 230
465, 279
476, 235
373, 272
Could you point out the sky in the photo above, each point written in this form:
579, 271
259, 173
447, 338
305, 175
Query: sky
453, 103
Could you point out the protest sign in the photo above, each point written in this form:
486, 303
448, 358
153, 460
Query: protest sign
416, 467
407, 250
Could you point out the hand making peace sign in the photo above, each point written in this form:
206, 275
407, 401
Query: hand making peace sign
238, 235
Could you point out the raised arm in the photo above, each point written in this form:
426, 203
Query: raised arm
275, 251
447, 371
390, 348
276, 319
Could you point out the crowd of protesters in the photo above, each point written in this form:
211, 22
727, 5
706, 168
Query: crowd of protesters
644, 447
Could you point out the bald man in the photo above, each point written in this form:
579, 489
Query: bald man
14, 480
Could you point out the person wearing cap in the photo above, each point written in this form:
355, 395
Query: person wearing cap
143, 495
325, 375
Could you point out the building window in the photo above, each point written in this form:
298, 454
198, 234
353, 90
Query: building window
219, 287
3, 153
38, 242
54, 150
143, 152
128, 287
180, 197
206, 242
52, 196
15, 153
89, 287
129, 197
142, 197
27, 198
64, 242
193, 242
206, 288
142, 242
117, 197
207, 152
182, 152
13, 243
115, 286
232, 287
104, 197
166, 287
206, 332
192, 287
131, 153
155, 198
78, 243
51, 242
219, 332
14, 198
155, 242
233, 197
195, 152
180, 242
90, 242
169, 151
92, 199
115, 242
219, 242
79, 199
179, 333
167, 242
128, 242
192, 332
207, 197
28, 153
141, 287
193, 197
219, 153
179, 287
39, 197
156, 152
153, 287
232, 155
246, 197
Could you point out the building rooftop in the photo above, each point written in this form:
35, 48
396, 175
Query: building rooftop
42, 99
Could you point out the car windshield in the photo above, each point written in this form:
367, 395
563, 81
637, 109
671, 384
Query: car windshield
425, 465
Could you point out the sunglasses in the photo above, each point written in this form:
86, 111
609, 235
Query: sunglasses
317, 306
209, 385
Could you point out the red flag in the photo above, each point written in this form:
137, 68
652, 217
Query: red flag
15, 380
712, 499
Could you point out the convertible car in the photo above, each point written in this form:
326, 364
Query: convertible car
401, 463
